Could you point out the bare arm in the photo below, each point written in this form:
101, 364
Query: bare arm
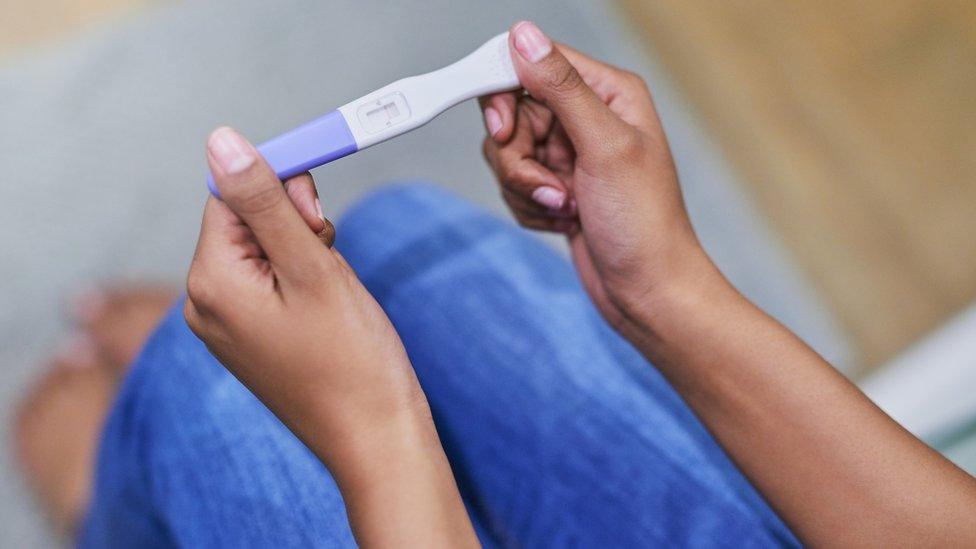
287, 316
835, 467
585, 155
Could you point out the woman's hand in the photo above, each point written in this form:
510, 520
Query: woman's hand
282, 310
583, 153
288, 316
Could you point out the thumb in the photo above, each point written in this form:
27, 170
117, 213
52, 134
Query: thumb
252, 191
550, 78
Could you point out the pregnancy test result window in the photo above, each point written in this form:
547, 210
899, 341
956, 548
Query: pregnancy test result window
384, 112
382, 115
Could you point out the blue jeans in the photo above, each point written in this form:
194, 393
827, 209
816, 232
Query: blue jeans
558, 431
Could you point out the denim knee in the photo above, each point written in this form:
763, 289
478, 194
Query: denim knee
183, 434
387, 206
400, 216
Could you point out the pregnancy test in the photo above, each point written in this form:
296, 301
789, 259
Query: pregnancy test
390, 111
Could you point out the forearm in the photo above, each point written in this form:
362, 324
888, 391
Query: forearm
835, 467
399, 490
391, 470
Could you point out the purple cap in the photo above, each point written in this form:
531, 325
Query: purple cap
318, 142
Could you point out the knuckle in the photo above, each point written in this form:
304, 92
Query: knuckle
624, 147
261, 200
192, 317
520, 177
517, 174
617, 149
309, 276
565, 80
633, 79
508, 172
201, 292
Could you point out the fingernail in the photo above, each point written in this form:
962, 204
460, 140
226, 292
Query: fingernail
531, 42
231, 151
549, 197
493, 120
88, 303
318, 206
327, 234
77, 351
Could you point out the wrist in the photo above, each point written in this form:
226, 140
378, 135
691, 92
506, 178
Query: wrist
367, 448
688, 286
344, 429
393, 466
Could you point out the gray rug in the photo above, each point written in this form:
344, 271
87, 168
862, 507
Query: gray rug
102, 151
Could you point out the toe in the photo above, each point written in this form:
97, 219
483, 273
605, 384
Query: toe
120, 320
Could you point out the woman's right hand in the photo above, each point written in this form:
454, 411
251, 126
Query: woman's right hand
583, 153
287, 315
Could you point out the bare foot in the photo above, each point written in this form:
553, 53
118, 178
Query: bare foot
59, 422
57, 429
120, 319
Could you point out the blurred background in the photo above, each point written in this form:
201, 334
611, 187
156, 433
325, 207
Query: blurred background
827, 151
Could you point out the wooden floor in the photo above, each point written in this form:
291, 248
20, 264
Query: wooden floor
25, 23
854, 125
